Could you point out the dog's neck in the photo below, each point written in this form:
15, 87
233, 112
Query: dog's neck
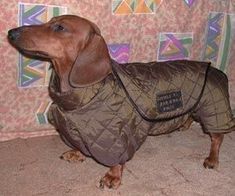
63, 74
64, 83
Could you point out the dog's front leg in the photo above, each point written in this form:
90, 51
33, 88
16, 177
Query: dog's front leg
73, 156
212, 161
113, 177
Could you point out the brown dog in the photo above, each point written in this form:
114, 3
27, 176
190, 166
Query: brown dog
98, 105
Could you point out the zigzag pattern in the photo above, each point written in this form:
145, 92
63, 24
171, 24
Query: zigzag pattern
218, 39
119, 52
213, 36
32, 16
31, 71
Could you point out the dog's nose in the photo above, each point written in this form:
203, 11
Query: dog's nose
14, 34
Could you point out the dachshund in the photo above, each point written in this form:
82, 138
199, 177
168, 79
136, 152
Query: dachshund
94, 111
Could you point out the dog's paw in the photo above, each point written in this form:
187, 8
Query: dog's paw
73, 156
109, 181
211, 163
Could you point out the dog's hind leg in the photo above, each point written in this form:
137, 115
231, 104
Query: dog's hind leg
214, 113
212, 161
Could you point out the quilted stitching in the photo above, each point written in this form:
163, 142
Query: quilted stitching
107, 126
214, 109
189, 82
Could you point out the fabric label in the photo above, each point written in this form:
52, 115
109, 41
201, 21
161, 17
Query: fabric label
169, 101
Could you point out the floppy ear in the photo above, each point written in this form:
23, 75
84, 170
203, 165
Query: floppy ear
93, 62
95, 28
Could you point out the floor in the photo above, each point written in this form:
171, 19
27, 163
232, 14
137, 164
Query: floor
165, 165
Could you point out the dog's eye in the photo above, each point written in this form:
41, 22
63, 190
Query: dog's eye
58, 28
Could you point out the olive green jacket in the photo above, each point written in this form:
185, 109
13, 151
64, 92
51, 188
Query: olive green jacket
110, 120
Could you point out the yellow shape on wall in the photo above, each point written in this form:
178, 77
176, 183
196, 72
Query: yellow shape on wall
123, 8
135, 6
142, 7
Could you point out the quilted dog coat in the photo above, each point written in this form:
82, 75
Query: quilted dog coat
111, 119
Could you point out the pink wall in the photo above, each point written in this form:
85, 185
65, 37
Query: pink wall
141, 32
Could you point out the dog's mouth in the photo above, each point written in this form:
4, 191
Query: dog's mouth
39, 54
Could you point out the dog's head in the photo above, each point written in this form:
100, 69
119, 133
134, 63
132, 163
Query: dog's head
73, 44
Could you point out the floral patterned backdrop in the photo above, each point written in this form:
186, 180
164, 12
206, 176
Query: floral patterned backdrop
135, 30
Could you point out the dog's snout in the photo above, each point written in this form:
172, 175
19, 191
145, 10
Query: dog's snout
14, 34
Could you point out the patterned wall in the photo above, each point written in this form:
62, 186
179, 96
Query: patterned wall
135, 30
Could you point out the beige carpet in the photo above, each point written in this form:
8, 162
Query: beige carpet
164, 165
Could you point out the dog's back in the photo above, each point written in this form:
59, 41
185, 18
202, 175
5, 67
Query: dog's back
162, 91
